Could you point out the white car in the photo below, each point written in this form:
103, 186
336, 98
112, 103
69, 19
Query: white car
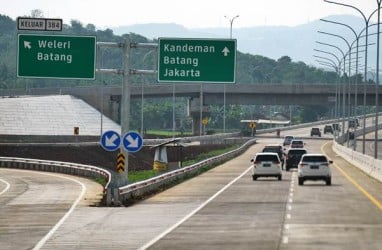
266, 165
314, 167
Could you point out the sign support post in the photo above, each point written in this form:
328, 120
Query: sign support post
125, 110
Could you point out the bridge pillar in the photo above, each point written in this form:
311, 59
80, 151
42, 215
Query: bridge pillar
198, 115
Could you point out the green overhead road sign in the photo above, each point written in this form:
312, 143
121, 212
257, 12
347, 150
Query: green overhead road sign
196, 60
46, 56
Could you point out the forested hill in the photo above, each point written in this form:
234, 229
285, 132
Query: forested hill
251, 69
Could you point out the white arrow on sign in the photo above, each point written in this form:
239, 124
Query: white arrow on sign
225, 51
27, 45
133, 143
110, 142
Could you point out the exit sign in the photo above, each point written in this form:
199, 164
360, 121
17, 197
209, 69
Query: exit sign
46, 56
197, 60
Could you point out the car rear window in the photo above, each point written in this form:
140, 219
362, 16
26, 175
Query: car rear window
271, 149
314, 158
267, 158
296, 152
297, 143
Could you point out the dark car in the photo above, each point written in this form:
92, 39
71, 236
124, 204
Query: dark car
295, 143
288, 139
293, 157
353, 123
275, 149
328, 129
336, 127
315, 131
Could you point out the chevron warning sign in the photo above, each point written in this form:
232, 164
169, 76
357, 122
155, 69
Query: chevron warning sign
120, 163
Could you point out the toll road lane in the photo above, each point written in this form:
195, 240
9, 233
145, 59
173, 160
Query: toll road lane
35, 204
135, 226
346, 215
268, 214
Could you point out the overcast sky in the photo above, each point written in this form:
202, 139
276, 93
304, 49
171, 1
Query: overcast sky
189, 13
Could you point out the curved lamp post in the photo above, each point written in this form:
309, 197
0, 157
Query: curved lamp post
367, 21
349, 54
343, 86
231, 22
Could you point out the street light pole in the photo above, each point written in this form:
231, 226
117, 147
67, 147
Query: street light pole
343, 85
377, 84
367, 21
231, 22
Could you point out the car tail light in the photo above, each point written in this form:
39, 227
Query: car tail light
325, 164
275, 162
303, 164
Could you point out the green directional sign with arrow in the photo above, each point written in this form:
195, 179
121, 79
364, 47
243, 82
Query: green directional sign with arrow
59, 56
197, 60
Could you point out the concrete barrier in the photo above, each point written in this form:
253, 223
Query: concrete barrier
368, 164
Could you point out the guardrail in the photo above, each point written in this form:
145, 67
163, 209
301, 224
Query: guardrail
57, 167
145, 187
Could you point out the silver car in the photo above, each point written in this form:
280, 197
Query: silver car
314, 167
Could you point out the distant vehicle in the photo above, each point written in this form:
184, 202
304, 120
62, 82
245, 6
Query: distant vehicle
275, 148
297, 143
293, 157
328, 129
315, 131
353, 123
336, 127
287, 140
266, 165
314, 167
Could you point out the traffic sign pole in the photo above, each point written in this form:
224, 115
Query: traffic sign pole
123, 175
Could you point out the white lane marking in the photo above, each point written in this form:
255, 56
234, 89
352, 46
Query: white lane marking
288, 216
285, 239
169, 230
42, 242
7, 186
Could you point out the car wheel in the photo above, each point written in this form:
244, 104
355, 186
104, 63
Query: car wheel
329, 181
254, 177
287, 168
300, 181
280, 177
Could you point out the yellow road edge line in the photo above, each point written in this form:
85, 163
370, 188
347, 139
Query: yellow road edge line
355, 183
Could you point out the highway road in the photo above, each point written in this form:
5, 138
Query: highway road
34, 204
221, 209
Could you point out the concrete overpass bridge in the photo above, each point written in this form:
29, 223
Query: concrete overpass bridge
108, 97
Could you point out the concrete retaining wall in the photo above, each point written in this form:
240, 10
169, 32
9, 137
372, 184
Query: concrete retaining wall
366, 163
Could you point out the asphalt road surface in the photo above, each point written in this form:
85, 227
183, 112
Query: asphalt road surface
220, 209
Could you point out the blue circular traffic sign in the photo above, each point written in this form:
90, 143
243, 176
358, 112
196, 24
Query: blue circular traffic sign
132, 142
110, 140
